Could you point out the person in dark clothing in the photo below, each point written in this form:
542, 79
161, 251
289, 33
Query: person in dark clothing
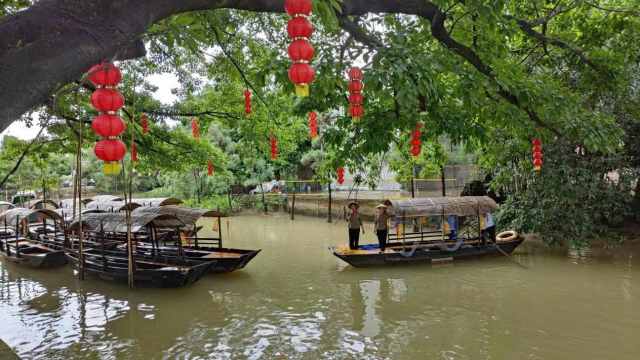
381, 226
355, 224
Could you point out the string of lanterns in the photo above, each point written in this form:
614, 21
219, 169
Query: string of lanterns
340, 175
537, 154
300, 50
144, 123
313, 125
247, 102
416, 140
274, 147
108, 125
356, 109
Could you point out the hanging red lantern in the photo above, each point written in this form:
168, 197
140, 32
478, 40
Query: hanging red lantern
299, 27
416, 140
210, 168
355, 74
107, 100
313, 125
355, 86
274, 147
340, 175
110, 150
107, 125
144, 122
356, 98
247, 101
134, 152
300, 51
105, 74
537, 154
356, 111
298, 7
195, 128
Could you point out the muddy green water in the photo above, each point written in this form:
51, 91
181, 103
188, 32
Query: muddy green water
296, 301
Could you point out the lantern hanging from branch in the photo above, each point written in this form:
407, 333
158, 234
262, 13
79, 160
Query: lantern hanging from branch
340, 175
356, 99
537, 154
300, 51
416, 140
313, 125
247, 101
210, 168
195, 128
274, 147
108, 125
144, 122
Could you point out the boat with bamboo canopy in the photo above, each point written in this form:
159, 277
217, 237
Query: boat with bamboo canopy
431, 230
17, 243
104, 255
194, 246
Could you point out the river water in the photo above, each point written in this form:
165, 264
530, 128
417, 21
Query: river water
297, 301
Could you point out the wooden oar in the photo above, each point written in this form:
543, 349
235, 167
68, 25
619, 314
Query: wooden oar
510, 257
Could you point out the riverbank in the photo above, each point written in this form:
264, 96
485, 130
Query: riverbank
6, 353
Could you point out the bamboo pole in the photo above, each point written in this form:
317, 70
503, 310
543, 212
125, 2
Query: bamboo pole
128, 197
79, 179
293, 205
329, 219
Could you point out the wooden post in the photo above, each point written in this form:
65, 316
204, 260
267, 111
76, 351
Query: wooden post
293, 204
80, 233
17, 236
443, 181
413, 188
264, 202
220, 229
229, 200
330, 215
6, 241
480, 228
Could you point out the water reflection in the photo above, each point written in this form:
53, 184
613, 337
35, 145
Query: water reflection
296, 301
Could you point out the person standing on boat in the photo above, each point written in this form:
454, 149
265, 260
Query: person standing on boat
488, 227
381, 225
355, 224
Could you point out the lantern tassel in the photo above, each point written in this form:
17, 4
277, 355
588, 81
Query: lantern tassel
302, 90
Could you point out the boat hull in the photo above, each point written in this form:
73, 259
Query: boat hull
407, 256
39, 261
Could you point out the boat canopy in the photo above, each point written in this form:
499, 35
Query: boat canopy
107, 198
461, 206
117, 222
68, 203
188, 216
42, 204
111, 206
11, 216
6, 206
158, 201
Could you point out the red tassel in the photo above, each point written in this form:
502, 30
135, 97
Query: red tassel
195, 128
134, 152
144, 122
247, 101
210, 168
313, 124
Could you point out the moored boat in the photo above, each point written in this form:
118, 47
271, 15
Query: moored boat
434, 234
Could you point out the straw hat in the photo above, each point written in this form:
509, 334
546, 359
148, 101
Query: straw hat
381, 206
352, 204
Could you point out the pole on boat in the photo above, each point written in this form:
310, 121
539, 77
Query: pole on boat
17, 236
329, 219
127, 197
79, 179
443, 181
293, 203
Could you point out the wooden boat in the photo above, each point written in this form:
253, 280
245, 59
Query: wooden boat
194, 247
101, 230
15, 247
431, 245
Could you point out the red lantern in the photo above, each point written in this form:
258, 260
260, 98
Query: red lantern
299, 27
356, 111
195, 128
274, 147
105, 74
247, 101
134, 152
313, 124
107, 125
416, 141
110, 150
301, 51
210, 168
301, 74
355, 86
107, 100
298, 7
144, 122
340, 174
355, 74
356, 98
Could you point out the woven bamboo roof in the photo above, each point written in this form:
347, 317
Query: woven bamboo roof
461, 206
68, 203
158, 201
42, 204
6, 206
117, 222
14, 215
188, 216
111, 206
